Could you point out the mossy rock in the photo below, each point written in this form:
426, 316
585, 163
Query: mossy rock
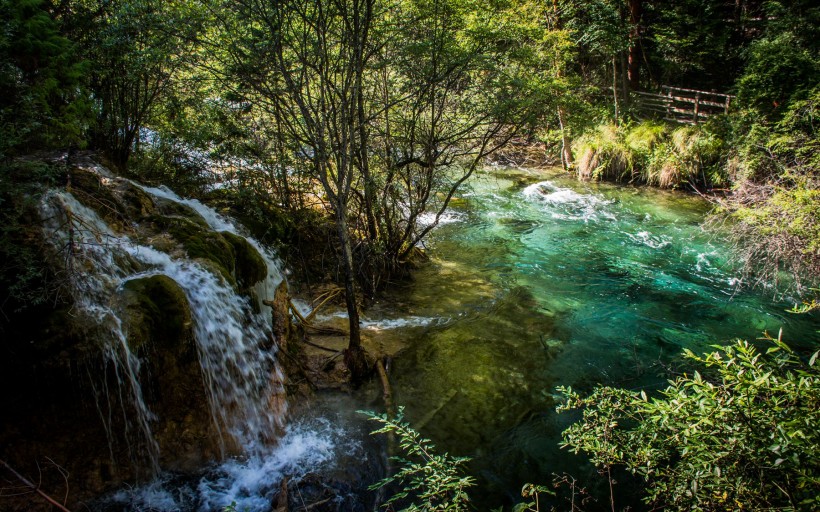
173, 209
249, 266
89, 189
137, 202
156, 310
160, 330
199, 242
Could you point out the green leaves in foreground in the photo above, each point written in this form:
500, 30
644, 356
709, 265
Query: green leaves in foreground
428, 481
742, 436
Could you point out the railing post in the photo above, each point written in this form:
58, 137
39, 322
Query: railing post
697, 108
728, 99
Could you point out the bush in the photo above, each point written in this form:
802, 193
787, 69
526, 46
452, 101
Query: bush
603, 154
744, 436
26, 277
431, 482
775, 196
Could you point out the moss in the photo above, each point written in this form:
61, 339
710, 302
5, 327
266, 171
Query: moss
173, 209
199, 242
249, 266
137, 202
157, 311
88, 188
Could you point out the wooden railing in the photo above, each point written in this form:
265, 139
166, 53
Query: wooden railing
679, 105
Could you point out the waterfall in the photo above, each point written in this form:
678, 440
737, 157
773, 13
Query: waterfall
243, 380
217, 222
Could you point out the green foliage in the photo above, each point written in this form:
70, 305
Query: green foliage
41, 104
138, 49
25, 278
742, 435
652, 153
807, 305
691, 154
776, 192
428, 481
784, 63
604, 155
779, 70
689, 42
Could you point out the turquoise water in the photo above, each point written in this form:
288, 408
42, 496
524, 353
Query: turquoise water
537, 280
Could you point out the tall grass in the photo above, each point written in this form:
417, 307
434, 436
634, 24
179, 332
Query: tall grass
603, 155
653, 153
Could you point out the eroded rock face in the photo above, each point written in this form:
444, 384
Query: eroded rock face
159, 326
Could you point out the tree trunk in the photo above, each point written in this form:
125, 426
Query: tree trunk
354, 355
635, 51
566, 151
624, 81
615, 87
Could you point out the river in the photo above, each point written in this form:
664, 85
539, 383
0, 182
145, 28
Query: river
535, 280
538, 280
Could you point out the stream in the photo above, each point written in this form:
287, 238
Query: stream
536, 280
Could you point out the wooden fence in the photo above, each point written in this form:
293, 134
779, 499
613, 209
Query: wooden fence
682, 105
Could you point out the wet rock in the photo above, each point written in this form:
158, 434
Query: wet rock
92, 190
249, 267
159, 328
199, 241
157, 311
138, 204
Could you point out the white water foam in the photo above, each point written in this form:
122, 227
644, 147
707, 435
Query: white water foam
648, 239
567, 204
385, 323
448, 217
250, 484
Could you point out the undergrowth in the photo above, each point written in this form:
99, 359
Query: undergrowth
652, 153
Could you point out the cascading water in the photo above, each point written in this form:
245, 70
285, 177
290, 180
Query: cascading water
90, 248
217, 222
243, 380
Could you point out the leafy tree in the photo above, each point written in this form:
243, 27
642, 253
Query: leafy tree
41, 100
783, 65
138, 48
464, 80
307, 62
741, 435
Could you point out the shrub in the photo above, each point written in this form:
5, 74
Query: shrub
429, 481
775, 196
744, 436
652, 153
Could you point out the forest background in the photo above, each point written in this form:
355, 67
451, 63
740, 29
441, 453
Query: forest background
340, 124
